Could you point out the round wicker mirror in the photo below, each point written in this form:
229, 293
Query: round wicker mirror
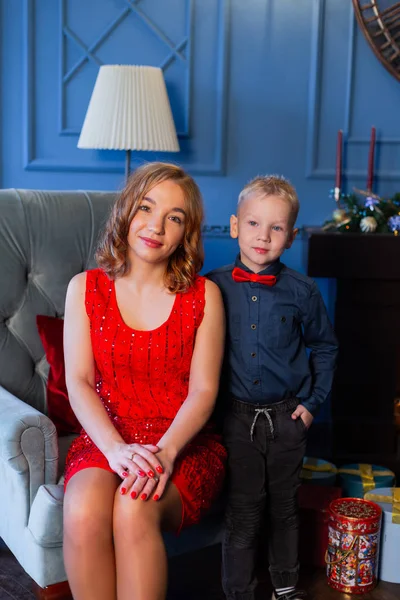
380, 22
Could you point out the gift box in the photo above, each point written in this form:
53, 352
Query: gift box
389, 562
314, 504
353, 545
318, 471
358, 479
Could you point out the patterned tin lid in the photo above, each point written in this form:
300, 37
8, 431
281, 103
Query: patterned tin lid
355, 508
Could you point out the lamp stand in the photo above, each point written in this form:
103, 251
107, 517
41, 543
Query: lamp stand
127, 164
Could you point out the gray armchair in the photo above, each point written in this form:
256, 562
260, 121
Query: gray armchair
45, 239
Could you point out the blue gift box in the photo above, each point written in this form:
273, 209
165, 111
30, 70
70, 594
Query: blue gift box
389, 501
318, 471
357, 479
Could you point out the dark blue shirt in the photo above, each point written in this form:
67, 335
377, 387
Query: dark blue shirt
269, 330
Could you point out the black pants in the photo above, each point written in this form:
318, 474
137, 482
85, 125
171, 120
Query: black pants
265, 453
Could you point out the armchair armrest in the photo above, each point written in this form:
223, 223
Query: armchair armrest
46, 516
28, 442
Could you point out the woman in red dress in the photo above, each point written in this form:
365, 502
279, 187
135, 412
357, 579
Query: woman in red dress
144, 337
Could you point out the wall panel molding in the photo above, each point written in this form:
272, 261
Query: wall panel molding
173, 52
217, 141
314, 103
28, 107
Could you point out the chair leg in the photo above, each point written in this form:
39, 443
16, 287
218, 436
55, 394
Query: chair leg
57, 591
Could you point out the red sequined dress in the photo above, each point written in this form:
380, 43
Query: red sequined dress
142, 379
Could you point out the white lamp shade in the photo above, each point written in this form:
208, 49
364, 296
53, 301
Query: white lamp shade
129, 110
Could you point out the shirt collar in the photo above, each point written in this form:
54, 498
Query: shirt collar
272, 269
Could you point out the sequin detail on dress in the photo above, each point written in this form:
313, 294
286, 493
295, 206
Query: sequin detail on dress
142, 378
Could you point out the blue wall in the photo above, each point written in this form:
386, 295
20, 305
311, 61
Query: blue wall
256, 86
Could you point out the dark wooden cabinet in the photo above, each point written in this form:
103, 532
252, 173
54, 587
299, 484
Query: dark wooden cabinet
367, 323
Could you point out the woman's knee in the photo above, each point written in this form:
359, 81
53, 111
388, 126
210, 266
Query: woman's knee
84, 523
88, 510
133, 520
136, 519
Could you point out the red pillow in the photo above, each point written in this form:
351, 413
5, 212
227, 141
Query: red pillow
51, 331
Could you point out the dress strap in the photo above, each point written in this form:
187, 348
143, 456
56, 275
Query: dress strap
96, 281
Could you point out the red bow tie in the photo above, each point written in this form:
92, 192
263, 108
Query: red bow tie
240, 275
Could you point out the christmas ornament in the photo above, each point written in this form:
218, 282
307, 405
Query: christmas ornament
394, 223
364, 211
371, 202
368, 224
339, 215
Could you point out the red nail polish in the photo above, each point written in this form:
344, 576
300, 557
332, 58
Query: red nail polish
150, 473
159, 470
123, 491
125, 474
156, 497
141, 473
133, 495
143, 496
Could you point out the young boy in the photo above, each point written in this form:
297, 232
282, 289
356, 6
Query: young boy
272, 387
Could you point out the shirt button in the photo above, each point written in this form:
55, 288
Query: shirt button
256, 381
283, 319
253, 355
254, 298
253, 326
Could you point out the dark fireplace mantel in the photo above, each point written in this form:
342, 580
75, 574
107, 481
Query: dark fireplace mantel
353, 255
367, 323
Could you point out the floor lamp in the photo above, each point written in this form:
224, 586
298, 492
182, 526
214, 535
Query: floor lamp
129, 110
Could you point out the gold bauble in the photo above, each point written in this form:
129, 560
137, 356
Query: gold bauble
339, 215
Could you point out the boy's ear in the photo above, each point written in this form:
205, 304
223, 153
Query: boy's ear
292, 237
234, 226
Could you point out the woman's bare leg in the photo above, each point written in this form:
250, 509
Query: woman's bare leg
139, 547
88, 536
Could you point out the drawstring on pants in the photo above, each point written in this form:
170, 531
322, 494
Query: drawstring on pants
258, 412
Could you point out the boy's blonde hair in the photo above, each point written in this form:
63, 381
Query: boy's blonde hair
272, 185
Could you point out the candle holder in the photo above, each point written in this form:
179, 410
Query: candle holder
362, 211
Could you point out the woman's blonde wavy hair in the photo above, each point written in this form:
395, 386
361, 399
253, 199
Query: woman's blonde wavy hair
188, 258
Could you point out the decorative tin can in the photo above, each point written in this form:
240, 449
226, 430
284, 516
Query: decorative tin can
353, 545
318, 471
358, 479
389, 560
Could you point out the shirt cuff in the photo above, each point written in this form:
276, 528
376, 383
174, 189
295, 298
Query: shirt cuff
312, 405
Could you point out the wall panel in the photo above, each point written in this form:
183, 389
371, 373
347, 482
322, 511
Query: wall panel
67, 41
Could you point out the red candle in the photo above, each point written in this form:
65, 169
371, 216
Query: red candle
338, 175
370, 176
